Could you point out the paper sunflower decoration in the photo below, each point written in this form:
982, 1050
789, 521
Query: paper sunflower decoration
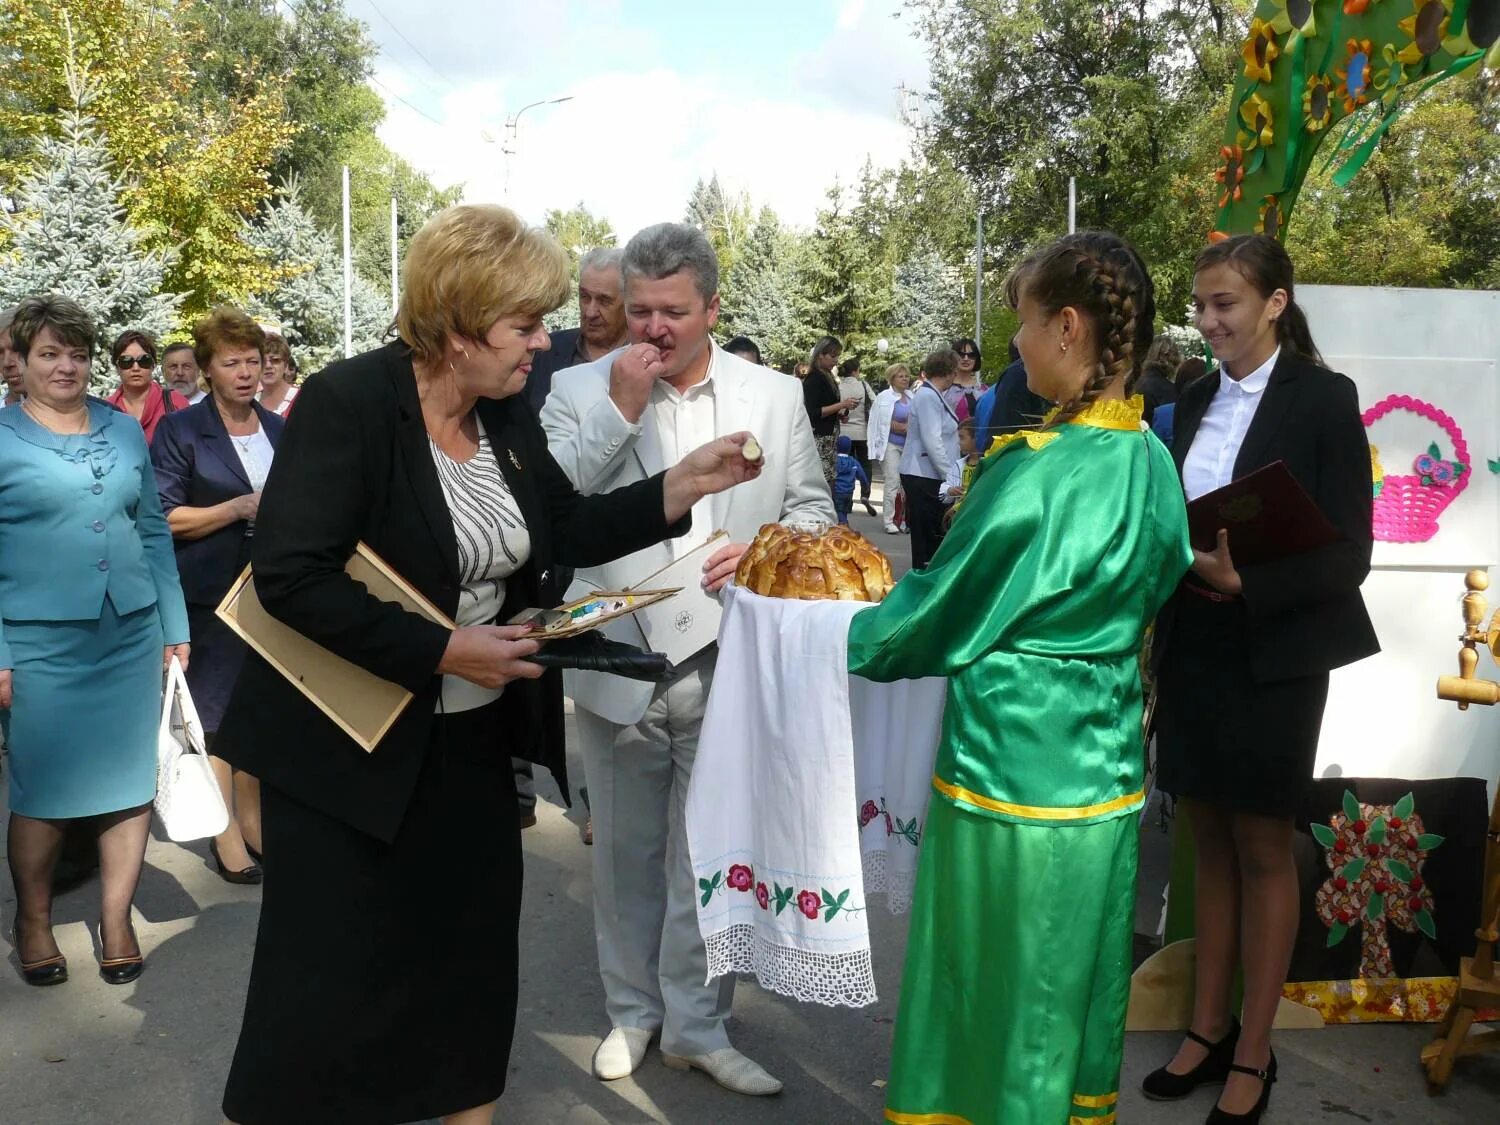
1255, 112
1231, 174
1297, 17
1292, 92
1354, 76
1270, 217
1260, 51
1426, 28
1317, 103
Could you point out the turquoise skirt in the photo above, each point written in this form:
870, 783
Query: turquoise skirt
86, 707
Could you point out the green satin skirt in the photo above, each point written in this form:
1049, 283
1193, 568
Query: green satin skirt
1017, 973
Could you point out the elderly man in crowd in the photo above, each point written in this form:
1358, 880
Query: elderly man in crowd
10, 361
610, 422
180, 370
601, 323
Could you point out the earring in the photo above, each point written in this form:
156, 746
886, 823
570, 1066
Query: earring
1064, 345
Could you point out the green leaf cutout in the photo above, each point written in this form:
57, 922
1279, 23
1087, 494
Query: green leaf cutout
1376, 908
1405, 806
1337, 933
1376, 834
1427, 841
1459, 468
1399, 870
1434, 451
1426, 924
1354, 869
1351, 807
1495, 465
1324, 835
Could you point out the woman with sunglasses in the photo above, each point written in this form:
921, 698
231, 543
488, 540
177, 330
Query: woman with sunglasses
140, 395
963, 395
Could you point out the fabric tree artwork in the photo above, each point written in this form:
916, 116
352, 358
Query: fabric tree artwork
1375, 855
1335, 72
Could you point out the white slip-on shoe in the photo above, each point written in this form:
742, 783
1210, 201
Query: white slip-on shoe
892, 529
729, 1069
621, 1052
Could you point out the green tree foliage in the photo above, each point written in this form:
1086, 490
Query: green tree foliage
579, 231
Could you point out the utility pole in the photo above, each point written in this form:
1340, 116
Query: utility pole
512, 127
348, 275
979, 276
395, 261
1072, 204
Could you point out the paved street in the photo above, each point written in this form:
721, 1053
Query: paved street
155, 1053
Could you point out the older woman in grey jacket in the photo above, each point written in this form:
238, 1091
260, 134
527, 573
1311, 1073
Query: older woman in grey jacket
931, 448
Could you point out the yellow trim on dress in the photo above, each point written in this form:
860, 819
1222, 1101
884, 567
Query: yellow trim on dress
925, 1118
1088, 1101
1034, 812
1107, 414
1107, 1119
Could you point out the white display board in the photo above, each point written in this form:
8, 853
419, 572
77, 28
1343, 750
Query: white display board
1440, 348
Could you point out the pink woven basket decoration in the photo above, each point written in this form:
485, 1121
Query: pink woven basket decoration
1407, 507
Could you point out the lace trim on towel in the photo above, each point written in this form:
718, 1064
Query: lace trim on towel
897, 886
831, 979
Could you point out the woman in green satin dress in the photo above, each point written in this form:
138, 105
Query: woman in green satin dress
1069, 541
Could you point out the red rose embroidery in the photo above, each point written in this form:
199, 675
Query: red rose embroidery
763, 896
809, 903
867, 812
740, 877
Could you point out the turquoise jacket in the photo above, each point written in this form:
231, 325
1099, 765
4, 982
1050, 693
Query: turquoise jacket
80, 520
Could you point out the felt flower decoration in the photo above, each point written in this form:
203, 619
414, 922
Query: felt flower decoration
1377, 470
1256, 113
1317, 103
1271, 218
1231, 174
1427, 27
1354, 75
1294, 16
1436, 470
1260, 50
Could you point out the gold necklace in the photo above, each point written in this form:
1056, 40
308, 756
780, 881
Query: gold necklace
37, 418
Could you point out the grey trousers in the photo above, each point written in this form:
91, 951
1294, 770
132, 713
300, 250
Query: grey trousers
651, 956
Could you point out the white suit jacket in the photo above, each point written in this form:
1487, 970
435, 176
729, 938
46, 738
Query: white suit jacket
600, 451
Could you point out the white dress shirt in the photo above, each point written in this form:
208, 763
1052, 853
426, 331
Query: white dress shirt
1216, 446
684, 421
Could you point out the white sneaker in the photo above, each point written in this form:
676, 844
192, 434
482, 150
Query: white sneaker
892, 529
621, 1052
729, 1069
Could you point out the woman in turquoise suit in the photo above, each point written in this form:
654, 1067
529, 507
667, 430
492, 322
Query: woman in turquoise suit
90, 611
1035, 607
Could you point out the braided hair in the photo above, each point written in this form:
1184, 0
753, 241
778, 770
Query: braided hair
1102, 276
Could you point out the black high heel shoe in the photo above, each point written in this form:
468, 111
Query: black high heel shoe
1267, 1077
248, 877
48, 971
1162, 1085
120, 970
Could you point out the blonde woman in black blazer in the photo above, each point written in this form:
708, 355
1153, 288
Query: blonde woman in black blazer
1246, 655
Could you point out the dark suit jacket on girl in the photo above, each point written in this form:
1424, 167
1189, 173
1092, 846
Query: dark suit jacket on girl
197, 466
1305, 613
355, 465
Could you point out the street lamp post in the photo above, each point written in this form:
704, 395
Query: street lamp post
512, 123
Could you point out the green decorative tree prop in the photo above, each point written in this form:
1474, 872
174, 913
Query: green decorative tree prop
1375, 854
69, 235
1315, 67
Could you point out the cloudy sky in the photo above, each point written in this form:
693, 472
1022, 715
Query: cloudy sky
776, 96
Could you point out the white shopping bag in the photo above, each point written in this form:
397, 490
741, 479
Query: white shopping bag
187, 795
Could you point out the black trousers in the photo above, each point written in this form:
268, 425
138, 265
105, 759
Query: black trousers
859, 449
924, 515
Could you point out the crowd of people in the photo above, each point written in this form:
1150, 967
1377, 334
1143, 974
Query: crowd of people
496, 469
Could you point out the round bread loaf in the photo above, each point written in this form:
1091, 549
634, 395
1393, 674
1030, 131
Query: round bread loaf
840, 565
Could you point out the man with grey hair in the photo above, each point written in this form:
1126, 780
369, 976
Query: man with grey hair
623, 418
601, 323
10, 361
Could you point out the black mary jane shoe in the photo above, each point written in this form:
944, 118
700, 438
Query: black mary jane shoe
48, 971
1267, 1077
1162, 1085
248, 877
120, 970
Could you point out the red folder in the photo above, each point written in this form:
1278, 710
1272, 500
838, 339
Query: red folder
1268, 515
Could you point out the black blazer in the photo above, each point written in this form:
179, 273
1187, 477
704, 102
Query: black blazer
197, 466
355, 465
1305, 613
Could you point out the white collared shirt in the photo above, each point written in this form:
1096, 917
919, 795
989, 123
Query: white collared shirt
684, 421
1216, 446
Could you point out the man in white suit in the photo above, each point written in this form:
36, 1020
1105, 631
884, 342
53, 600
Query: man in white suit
622, 418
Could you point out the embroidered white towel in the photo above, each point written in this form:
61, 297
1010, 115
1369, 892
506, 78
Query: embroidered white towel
774, 844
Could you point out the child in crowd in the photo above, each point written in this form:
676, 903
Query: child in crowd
847, 473
962, 471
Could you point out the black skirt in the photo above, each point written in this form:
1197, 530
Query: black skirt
1221, 737
383, 988
217, 658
